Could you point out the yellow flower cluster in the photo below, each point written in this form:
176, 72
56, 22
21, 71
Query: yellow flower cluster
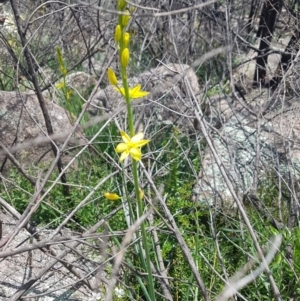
122, 38
134, 92
129, 146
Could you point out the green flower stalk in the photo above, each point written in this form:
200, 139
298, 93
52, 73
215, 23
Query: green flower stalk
132, 143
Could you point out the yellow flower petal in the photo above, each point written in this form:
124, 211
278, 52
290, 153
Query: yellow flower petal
136, 154
112, 77
121, 147
125, 137
141, 143
137, 137
123, 156
139, 94
133, 93
111, 196
136, 89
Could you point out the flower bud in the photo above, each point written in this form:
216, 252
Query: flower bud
68, 95
112, 77
125, 18
125, 57
118, 33
63, 70
121, 4
141, 193
126, 38
111, 196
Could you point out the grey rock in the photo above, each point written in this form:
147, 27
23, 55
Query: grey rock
21, 120
250, 147
58, 283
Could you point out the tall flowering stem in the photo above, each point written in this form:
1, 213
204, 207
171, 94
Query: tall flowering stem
63, 85
131, 145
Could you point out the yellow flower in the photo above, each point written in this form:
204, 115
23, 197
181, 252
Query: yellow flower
134, 92
112, 77
60, 85
118, 33
131, 146
125, 18
126, 39
111, 196
125, 57
69, 94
